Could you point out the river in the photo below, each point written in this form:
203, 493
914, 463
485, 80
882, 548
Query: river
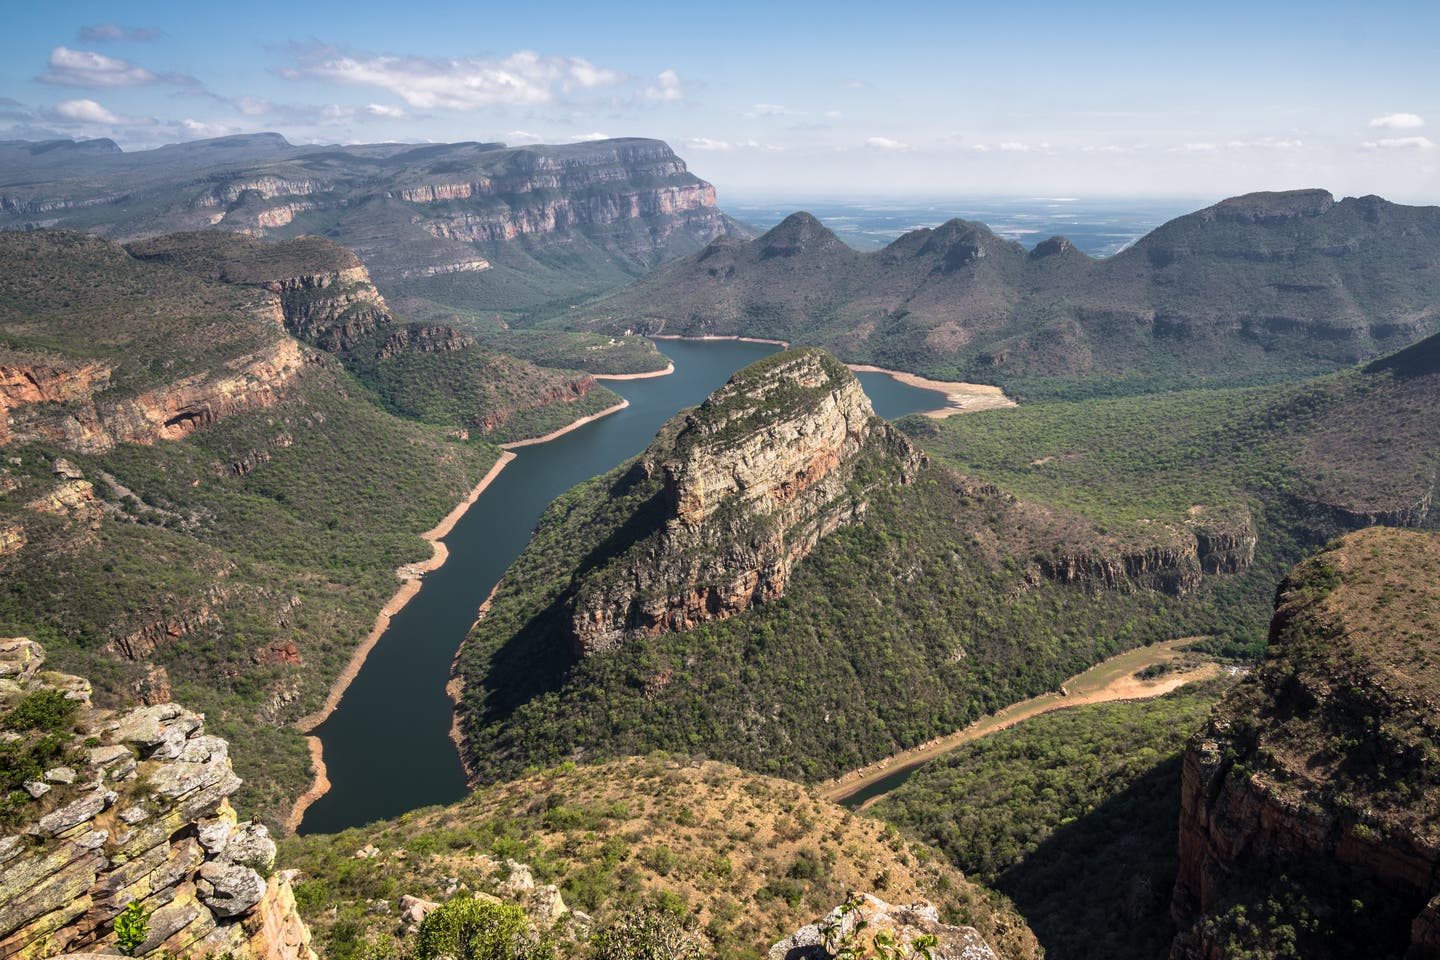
387, 745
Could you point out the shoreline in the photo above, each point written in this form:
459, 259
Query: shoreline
576, 425
961, 397
1123, 687
411, 575
669, 369
676, 336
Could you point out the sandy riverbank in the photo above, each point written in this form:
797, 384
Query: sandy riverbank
960, 397
1108, 681
410, 575
676, 336
669, 369
566, 429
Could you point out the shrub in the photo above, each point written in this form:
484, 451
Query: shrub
131, 927
470, 929
646, 935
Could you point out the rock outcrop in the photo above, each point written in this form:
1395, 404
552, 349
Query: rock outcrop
1310, 806
87, 419
1173, 561
857, 925
139, 815
751, 481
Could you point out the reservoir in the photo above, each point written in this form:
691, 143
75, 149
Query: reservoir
387, 745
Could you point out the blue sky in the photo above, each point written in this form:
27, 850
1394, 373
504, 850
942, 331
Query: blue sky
797, 99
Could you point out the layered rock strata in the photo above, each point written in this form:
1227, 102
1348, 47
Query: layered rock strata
1315, 784
753, 479
139, 813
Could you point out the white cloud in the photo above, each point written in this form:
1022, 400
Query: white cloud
523, 137
1398, 121
86, 111
726, 146
833, 114
1202, 147
1400, 143
885, 143
1015, 146
384, 111
462, 83
200, 129
102, 32
85, 68
587, 137
666, 89
770, 110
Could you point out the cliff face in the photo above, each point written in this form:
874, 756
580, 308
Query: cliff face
75, 412
859, 924
136, 813
412, 213
1174, 562
751, 482
1311, 801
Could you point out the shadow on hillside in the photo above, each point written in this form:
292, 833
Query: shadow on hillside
1099, 886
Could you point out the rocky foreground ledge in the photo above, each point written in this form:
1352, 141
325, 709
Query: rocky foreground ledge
134, 809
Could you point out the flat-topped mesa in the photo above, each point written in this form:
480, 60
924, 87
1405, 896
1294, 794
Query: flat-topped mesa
753, 479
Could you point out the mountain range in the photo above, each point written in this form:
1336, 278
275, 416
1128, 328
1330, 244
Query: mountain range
1254, 289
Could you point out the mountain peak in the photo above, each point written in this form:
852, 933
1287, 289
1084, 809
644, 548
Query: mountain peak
798, 233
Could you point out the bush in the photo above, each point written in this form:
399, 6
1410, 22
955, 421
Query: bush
46, 710
645, 935
469, 929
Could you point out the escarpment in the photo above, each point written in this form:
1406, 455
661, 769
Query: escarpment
1310, 803
108, 812
438, 217
751, 481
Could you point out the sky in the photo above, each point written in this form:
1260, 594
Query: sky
776, 99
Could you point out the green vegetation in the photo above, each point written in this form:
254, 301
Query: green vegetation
646, 935
911, 624
499, 396
657, 848
131, 927
1091, 792
469, 929
38, 738
244, 561
1254, 290
591, 352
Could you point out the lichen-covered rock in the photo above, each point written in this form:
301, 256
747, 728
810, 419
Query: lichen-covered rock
20, 657
163, 836
856, 925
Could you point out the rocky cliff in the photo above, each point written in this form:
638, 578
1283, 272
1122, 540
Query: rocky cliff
113, 809
446, 213
1310, 807
752, 480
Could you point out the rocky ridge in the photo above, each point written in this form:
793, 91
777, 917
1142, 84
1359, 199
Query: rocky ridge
752, 480
1314, 786
138, 812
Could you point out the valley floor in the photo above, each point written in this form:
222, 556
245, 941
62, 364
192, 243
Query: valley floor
1111, 680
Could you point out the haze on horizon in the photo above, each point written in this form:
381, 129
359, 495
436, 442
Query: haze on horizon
1121, 99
